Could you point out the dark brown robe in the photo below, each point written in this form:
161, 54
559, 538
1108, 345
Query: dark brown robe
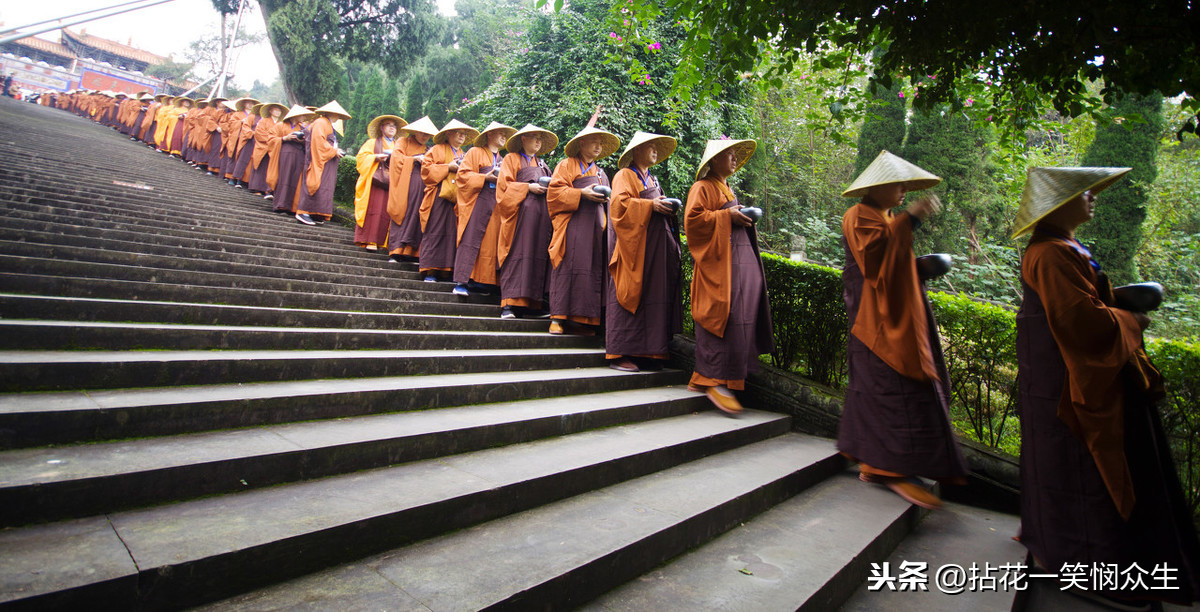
578, 246
320, 177
374, 228
1098, 485
475, 257
524, 233
291, 173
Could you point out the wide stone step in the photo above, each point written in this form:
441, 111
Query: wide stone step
328, 244
34, 419
564, 554
70, 285
184, 278
18, 306
53, 483
811, 552
77, 370
189, 552
65, 239
42, 335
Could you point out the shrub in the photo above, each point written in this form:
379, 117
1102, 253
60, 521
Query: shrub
1179, 362
347, 176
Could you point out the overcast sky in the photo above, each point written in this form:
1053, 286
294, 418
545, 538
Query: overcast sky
164, 29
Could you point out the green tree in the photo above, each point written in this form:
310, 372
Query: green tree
1128, 136
883, 128
313, 39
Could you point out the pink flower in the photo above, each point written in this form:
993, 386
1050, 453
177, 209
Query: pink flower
612, 34
465, 100
654, 46
970, 101
902, 94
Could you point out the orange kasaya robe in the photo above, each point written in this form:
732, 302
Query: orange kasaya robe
708, 229
630, 215
320, 152
470, 182
162, 124
262, 140
1096, 342
274, 146
399, 174
891, 318
434, 170
147, 120
509, 194
563, 200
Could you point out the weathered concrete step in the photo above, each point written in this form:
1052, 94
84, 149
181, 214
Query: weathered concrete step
70, 285
197, 261
976, 540
54, 483
35, 419
189, 552
561, 555
186, 281
329, 239
810, 552
78, 370
16, 241
18, 306
54, 233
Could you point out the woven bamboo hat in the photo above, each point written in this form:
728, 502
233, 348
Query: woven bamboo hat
887, 169
482, 139
424, 125
162, 96
334, 110
146, 96
1046, 189
218, 99
455, 124
743, 148
237, 104
549, 140
229, 105
257, 109
201, 103
264, 111
609, 143
373, 126
339, 126
181, 99
297, 112
665, 145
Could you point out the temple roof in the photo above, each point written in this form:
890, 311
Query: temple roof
113, 47
45, 46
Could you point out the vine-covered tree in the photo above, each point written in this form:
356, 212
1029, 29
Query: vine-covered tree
884, 126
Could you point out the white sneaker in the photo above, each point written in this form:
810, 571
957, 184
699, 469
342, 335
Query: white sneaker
305, 219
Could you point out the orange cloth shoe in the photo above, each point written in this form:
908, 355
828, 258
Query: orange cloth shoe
724, 400
556, 328
908, 489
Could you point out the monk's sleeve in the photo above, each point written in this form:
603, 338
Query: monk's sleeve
470, 180
561, 197
868, 238
509, 191
630, 216
321, 149
436, 166
365, 158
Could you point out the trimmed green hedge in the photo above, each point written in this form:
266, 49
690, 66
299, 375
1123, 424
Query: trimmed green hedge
979, 342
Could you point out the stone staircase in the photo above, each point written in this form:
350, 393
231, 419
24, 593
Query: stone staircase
204, 403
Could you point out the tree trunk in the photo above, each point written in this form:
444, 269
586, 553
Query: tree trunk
265, 7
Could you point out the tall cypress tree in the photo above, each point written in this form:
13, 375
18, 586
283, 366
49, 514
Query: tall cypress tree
1124, 140
884, 128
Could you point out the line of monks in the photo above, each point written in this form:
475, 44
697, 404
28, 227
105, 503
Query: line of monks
1099, 487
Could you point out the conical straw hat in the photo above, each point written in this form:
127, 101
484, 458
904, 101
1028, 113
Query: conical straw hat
296, 112
743, 148
609, 143
145, 96
160, 97
549, 140
1048, 188
335, 109
339, 126
373, 126
265, 110
887, 169
181, 99
424, 125
229, 105
482, 138
257, 109
218, 99
455, 124
201, 103
665, 145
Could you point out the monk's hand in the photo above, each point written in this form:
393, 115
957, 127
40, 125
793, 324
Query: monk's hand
1142, 319
925, 207
588, 194
536, 189
735, 215
661, 207
418, 158
453, 166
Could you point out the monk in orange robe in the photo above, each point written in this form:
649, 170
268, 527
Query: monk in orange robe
316, 194
643, 309
896, 418
729, 287
578, 246
478, 229
523, 238
287, 159
371, 189
1098, 485
244, 146
263, 131
406, 191
438, 222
